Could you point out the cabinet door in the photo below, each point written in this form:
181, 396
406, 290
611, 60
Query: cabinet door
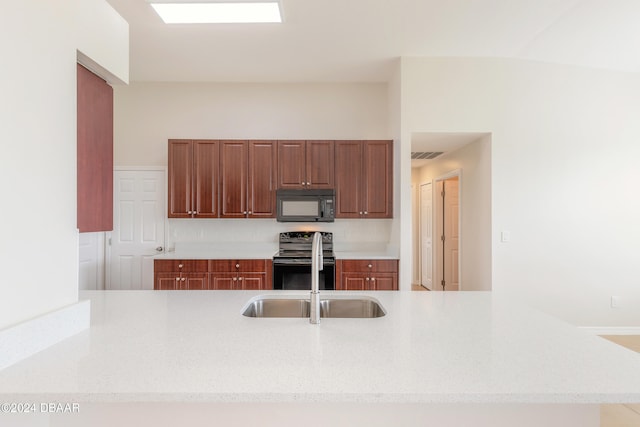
180, 176
291, 164
261, 187
166, 281
233, 179
206, 160
251, 281
384, 282
348, 173
320, 161
378, 179
223, 281
354, 282
194, 281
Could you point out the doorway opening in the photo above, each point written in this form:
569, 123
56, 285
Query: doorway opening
466, 267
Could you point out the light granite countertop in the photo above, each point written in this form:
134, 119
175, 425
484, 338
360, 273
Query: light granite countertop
195, 346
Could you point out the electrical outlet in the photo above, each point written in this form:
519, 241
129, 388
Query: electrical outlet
615, 301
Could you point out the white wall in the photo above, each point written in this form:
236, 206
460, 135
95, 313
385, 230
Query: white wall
148, 114
474, 163
564, 175
102, 40
39, 241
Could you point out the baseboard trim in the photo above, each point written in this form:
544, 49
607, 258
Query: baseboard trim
28, 338
612, 330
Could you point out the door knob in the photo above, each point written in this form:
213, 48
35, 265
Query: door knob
159, 249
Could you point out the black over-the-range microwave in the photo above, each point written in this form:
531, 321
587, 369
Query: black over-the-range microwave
306, 205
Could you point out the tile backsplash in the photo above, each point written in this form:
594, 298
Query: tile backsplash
345, 231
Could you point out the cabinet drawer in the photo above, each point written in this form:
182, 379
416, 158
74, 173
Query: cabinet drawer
364, 266
175, 265
230, 265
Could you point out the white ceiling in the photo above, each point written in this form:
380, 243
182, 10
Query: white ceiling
357, 40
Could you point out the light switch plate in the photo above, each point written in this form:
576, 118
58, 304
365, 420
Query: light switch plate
505, 236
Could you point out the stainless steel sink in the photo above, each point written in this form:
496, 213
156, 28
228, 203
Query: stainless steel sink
297, 307
267, 307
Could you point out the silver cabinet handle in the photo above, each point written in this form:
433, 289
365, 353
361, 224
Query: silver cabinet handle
308, 183
177, 279
237, 265
302, 183
240, 279
183, 279
250, 212
373, 279
369, 266
366, 213
180, 265
367, 279
360, 212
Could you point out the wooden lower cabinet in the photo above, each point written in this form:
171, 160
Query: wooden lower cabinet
213, 274
246, 274
182, 282
367, 275
181, 274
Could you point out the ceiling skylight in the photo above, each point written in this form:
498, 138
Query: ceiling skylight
219, 12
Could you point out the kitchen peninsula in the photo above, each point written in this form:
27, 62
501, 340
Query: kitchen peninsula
447, 355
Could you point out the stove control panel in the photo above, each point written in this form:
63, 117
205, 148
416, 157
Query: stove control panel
304, 237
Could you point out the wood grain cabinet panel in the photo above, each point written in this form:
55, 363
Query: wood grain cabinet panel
94, 152
364, 179
367, 275
248, 179
242, 274
306, 164
193, 178
222, 274
181, 274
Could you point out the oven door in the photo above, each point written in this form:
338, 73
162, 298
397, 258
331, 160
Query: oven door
296, 274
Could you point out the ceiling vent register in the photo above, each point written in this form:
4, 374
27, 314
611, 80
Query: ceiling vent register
425, 155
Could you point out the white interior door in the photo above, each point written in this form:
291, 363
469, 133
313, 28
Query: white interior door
426, 235
92, 256
138, 228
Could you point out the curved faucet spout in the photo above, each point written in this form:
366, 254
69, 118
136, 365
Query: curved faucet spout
316, 266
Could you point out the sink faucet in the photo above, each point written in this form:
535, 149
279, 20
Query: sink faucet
316, 266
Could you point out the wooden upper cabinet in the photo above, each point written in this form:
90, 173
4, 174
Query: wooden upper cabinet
180, 174
364, 179
227, 179
320, 164
193, 178
261, 186
378, 179
206, 164
349, 174
305, 164
291, 164
248, 179
94, 152
234, 175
